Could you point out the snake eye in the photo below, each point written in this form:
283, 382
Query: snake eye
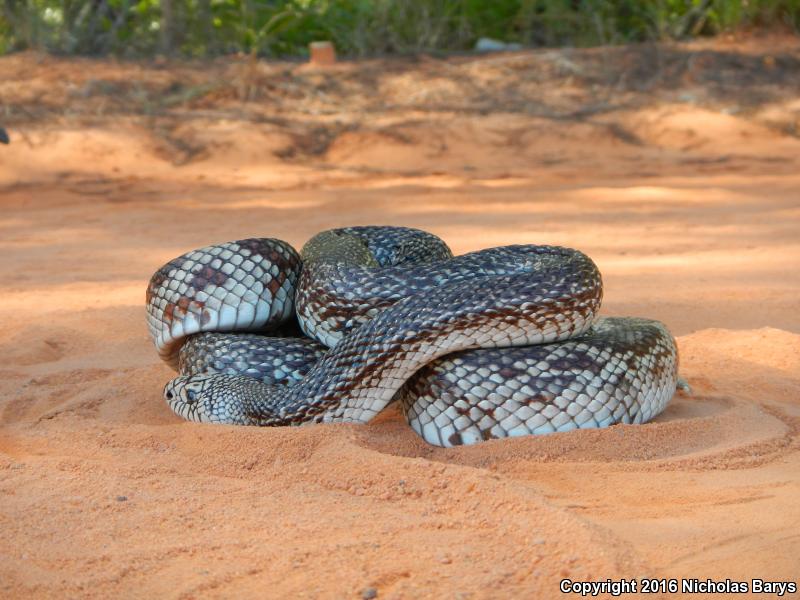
190, 395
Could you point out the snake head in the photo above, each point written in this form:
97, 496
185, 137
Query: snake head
209, 399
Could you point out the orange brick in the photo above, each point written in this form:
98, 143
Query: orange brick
322, 53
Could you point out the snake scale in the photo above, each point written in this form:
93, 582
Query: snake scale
496, 343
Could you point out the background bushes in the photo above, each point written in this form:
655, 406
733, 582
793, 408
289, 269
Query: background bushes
364, 27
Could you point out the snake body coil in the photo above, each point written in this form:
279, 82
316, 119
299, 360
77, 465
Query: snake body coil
495, 343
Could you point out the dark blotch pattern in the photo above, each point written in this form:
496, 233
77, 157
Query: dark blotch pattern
203, 275
247, 285
487, 345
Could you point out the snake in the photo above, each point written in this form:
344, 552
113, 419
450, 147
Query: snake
496, 343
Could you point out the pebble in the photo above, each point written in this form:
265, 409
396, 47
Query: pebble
489, 45
369, 593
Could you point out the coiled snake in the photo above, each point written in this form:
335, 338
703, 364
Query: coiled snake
496, 343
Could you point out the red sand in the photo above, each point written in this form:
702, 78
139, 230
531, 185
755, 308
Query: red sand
104, 492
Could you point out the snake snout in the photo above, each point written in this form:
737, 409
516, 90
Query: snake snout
199, 398
169, 392
183, 398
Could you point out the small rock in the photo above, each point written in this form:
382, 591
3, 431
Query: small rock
369, 593
122, 498
489, 45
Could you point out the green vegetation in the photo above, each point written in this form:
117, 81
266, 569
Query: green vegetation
364, 27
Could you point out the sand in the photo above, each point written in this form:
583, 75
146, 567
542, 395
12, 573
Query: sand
677, 168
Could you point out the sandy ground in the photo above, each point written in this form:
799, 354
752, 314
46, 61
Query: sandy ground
677, 168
